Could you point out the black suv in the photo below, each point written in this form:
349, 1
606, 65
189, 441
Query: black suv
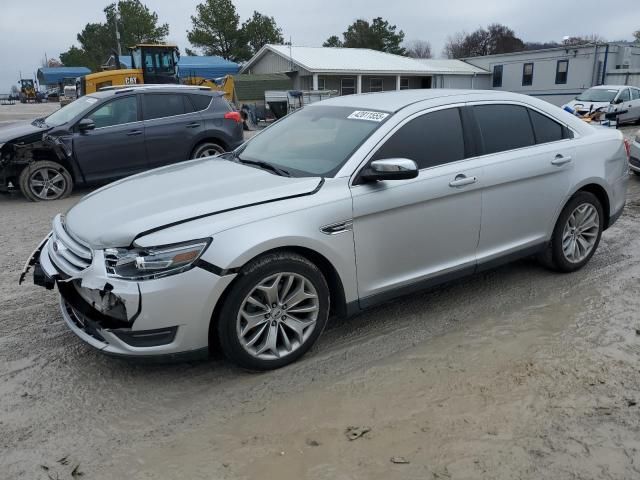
115, 133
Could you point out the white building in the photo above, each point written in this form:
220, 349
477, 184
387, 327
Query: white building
559, 74
360, 70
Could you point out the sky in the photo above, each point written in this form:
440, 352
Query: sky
25, 39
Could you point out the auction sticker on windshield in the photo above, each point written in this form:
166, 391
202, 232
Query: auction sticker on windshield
371, 116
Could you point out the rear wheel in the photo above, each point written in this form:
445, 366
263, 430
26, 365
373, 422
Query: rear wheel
44, 180
274, 313
577, 233
207, 149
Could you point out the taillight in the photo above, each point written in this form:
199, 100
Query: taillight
627, 147
235, 116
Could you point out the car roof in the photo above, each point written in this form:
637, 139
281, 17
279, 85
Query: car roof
396, 100
608, 87
155, 89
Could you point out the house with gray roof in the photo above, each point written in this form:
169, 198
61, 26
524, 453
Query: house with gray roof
361, 70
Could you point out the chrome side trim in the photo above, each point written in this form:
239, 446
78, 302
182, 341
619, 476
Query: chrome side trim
338, 227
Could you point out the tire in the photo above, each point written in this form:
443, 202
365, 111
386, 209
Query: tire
581, 223
207, 149
45, 181
270, 342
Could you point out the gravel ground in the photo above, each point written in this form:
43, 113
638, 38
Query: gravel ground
513, 373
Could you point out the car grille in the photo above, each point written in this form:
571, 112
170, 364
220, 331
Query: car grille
69, 255
635, 162
83, 322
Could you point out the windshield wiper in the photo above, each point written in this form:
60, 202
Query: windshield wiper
39, 122
265, 165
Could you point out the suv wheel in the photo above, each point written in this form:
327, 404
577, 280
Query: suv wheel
208, 149
274, 313
577, 233
44, 180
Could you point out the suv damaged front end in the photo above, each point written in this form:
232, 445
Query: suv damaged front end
102, 292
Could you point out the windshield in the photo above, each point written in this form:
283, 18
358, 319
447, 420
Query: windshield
314, 141
597, 95
70, 111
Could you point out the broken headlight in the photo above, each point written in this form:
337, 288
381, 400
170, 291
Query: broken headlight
153, 262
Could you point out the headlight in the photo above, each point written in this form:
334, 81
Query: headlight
153, 262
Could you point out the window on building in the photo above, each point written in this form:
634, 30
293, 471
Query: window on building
504, 127
404, 83
322, 85
347, 86
376, 85
430, 140
527, 74
562, 69
497, 76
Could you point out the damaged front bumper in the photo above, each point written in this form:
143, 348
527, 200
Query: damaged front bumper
162, 317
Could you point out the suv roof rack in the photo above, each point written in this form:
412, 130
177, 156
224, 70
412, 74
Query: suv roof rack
130, 88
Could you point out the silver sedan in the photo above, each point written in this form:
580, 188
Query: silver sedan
340, 206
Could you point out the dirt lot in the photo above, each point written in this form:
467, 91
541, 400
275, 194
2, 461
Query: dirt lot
513, 373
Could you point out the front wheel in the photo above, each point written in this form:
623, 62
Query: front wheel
275, 312
44, 180
208, 149
577, 233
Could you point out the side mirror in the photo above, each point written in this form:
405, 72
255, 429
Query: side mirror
390, 169
86, 124
617, 101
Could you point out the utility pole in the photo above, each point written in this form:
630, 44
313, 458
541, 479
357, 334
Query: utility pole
118, 32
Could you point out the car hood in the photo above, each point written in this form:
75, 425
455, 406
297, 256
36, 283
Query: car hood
118, 213
588, 105
17, 131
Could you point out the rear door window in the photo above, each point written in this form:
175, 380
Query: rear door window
635, 94
504, 127
432, 139
546, 129
160, 105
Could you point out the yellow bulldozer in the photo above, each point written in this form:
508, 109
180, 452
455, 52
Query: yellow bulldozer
150, 64
28, 91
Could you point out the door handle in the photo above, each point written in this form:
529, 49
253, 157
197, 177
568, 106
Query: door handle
134, 132
560, 160
462, 180
193, 125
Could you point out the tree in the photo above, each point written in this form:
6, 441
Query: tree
496, 38
333, 41
51, 62
636, 35
377, 35
97, 40
419, 49
137, 23
260, 30
216, 30
190, 53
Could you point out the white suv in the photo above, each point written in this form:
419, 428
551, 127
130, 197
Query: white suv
342, 205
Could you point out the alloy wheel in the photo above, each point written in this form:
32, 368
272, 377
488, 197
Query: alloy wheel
278, 316
47, 183
211, 151
580, 233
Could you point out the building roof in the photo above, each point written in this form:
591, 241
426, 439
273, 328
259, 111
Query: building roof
54, 75
198, 66
252, 87
563, 48
360, 60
